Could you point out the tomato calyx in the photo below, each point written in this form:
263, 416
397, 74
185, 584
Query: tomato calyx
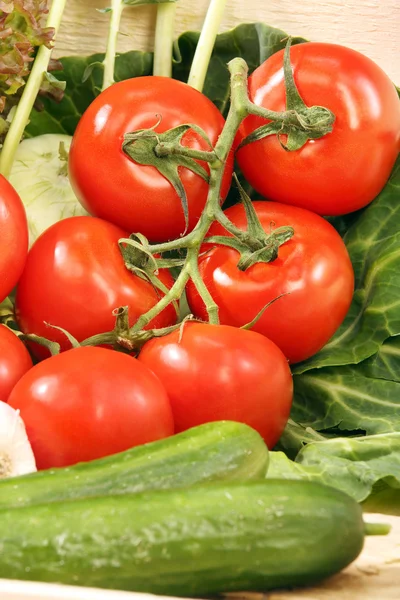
125, 338
299, 123
133, 342
165, 152
253, 244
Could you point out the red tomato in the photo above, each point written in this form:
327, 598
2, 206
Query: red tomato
313, 268
90, 402
15, 361
13, 238
347, 168
75, 277
215, 372
136, 197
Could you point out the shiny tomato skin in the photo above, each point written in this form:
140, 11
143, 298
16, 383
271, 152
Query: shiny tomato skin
75, 277
15, 361
215, 372
136, 197
89, 402
313, 269
345, 170
13, 238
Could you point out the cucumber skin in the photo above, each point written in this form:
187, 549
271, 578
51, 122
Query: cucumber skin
223, 450
197, 541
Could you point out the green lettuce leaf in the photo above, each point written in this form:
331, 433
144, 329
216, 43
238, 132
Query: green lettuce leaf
358, 466
385, 364
373, 242
22, 32
295, 437
346, 399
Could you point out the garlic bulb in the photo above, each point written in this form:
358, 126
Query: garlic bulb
16, 456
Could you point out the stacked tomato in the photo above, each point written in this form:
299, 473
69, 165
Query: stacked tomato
88, 402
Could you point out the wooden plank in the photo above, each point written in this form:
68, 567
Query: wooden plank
370, 26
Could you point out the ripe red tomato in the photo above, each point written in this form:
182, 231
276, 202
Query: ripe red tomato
344, 170
15, 361
313, 268
112, 186
90, 402
13, 238
215, 372
75, 277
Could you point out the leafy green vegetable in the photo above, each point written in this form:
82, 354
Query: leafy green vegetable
346, 399
295, 437
383, 499
254, 42
354, 465
373, 242
385, 364
21, 33
353, 385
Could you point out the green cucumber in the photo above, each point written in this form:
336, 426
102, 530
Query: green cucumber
223, 450
196, 541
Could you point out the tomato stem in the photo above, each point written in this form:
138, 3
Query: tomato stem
202, 56
31, 90
167, 149
164, 38
110, 338
193, 240
173, 294
52, 347
195, 275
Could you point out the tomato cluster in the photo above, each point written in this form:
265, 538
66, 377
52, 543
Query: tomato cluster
88, 402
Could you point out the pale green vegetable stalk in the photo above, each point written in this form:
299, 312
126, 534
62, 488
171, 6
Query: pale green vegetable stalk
201, 59
165, 22
164, 39
117, 8
25, 105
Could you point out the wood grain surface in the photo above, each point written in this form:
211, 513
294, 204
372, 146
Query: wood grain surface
370, 26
